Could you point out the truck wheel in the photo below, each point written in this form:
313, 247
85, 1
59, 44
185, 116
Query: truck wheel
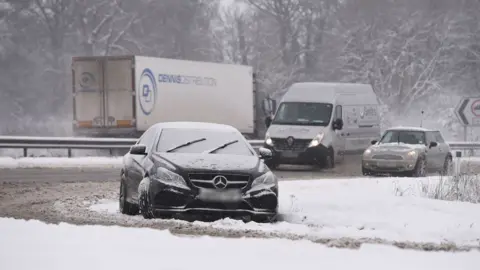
124, 206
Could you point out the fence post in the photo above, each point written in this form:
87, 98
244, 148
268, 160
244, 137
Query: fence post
25, 152
69, 152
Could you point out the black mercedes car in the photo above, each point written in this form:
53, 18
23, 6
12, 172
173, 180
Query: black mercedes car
189, 168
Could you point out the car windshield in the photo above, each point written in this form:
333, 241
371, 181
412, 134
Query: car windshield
202, 141
404, 136
303, 113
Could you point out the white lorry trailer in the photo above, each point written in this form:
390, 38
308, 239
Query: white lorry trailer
121, 96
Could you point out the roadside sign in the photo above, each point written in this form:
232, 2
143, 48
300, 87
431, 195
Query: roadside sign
468, 111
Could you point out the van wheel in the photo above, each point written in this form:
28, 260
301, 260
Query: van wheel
329, 162
272, 165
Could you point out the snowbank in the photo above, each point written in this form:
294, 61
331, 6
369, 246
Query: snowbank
35, 245
387, 208
61, 162
472, 164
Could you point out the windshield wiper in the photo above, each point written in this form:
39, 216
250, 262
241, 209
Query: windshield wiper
221, 147
185, 144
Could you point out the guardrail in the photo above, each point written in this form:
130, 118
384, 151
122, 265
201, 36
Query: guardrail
70, 143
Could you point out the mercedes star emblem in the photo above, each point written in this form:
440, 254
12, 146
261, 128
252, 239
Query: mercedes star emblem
290, 141
220, 181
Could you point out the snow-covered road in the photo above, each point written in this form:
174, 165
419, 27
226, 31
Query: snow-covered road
27, 245
392, 209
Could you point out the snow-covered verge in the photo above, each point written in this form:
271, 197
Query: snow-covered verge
471, 164
35, 245
361, 208
60, 162
459, 187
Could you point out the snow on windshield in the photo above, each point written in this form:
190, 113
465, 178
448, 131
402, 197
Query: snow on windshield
404, 136
174, 137
303, 113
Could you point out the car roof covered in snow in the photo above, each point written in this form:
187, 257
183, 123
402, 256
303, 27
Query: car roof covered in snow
195, 125
411, 128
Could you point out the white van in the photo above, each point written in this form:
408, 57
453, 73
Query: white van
320, 123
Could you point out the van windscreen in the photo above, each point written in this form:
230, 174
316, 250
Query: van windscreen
303, 113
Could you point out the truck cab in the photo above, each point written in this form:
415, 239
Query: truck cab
319, 123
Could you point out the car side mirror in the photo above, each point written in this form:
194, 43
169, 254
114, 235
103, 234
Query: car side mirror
268, 121
337, 124
138, 149
433, 144
373, 142
265, 153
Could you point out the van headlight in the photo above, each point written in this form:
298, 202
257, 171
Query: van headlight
316, 140
268, 140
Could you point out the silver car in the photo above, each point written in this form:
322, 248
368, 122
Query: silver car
409, 151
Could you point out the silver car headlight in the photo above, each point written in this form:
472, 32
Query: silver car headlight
316, 140
368, 153
268, 140
265, 181
412, 155
170, 178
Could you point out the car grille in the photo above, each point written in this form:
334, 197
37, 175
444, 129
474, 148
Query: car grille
388, 157
217, 205
298, 144
205, 180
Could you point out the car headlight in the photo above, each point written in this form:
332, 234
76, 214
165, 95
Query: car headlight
268, 140
316, 140
367, 152
170, 178
412, 154
265, 181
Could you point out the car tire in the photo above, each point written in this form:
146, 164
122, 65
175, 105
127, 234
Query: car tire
367, 172
144, 204
447, 166
264, 219
420, 169
124, 206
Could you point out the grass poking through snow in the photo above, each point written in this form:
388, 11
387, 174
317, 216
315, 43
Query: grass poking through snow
459, 187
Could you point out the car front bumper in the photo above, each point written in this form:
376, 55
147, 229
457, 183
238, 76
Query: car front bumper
304, 156
168, 199
388, 166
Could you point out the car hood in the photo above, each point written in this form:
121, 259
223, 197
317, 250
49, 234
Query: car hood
209, 162
299, 132
397, 147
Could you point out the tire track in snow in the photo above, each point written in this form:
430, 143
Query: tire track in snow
69, 202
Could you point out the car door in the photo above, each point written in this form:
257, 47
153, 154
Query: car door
135, 163
442, 146
433, 154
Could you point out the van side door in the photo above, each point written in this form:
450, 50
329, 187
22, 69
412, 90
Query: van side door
362, 125
338, 136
